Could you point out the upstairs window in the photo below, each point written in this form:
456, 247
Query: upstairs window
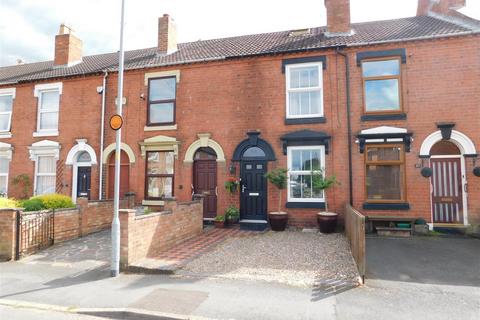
161, 101
304, 90
382, 85
6, 103
159, 179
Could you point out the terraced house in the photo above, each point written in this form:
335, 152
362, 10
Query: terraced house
391, 108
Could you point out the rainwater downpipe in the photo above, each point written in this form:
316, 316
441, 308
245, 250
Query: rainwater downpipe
102, 134
349, 123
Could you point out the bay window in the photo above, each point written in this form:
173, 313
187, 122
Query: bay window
4, 166
304, 162
385, 173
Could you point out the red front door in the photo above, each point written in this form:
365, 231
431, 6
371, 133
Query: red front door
124, 175
205, 182
447, 193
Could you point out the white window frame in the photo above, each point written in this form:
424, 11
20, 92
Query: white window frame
37, 174
8, 92
289, 165
38, 92
5, 174
288, 68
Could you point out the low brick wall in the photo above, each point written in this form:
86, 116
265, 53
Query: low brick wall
147, 235
88, 217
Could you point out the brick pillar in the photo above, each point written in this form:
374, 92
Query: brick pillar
82, 204
8, 230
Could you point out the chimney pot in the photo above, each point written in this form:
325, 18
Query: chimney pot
167, 35
68, 48
338, 17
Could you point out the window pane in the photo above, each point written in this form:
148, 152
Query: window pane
296, 160
381, 68
162, 89
46, 165
254, 152
161, 112
45, 184
304, 77
4, 163
6, 103
384, 182
83, 157
382, 95
48, 120
304, 103
4, 122
160, 163
384, 153
3, 186
160, 187
50, 100
302, 187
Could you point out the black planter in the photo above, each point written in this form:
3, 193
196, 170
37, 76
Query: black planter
327, 221
278, 220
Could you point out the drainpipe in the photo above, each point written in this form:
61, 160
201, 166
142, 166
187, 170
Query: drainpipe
349, 122
102, 134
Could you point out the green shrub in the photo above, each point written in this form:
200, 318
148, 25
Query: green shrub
32, 204
8, 203
55, 201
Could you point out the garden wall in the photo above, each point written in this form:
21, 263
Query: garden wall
147, 235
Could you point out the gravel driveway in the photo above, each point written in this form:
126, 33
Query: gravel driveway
305, 259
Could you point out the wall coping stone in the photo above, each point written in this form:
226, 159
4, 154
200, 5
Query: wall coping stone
153, 214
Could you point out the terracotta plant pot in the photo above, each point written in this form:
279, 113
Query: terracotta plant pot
278, 220
327, 221
219, 224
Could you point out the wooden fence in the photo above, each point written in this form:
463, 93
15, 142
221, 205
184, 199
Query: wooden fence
355, 230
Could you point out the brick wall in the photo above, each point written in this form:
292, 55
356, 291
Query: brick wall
147, 235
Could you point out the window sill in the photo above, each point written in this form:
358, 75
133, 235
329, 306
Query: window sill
153, 202
386, 206
305, 120
160, 128
305, 205
5, 135
45, 134
379, 117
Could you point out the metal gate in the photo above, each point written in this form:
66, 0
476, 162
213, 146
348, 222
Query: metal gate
35, 231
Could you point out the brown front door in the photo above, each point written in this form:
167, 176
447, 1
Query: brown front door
447, 193
124, 175
205, 182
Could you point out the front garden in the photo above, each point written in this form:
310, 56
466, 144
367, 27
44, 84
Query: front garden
37, 203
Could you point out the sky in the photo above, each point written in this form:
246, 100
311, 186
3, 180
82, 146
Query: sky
28, 27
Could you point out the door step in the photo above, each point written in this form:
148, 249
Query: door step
253, 225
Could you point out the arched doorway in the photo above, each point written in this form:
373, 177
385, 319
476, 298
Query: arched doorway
205, 179
124, 174
446, 181
83, 176
253, 154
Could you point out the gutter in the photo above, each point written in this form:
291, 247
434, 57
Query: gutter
349, 123
102, 134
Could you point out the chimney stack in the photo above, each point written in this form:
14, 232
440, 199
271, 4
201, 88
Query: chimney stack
167, 35
444, 7
338, 17
68, 48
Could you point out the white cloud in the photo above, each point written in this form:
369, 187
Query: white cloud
28, 27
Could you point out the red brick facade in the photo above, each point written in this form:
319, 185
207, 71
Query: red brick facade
227, 99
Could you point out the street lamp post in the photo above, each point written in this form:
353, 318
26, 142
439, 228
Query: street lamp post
115, 266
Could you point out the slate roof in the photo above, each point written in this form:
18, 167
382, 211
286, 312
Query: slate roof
413, 28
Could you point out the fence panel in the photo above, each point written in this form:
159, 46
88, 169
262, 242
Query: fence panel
355, 230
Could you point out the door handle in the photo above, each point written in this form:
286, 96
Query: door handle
216, 191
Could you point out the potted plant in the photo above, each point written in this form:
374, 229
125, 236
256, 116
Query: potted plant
219, 221
278, 219
232, 215
231, 185
327, 221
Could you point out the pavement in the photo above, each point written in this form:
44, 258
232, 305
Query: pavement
53, 288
